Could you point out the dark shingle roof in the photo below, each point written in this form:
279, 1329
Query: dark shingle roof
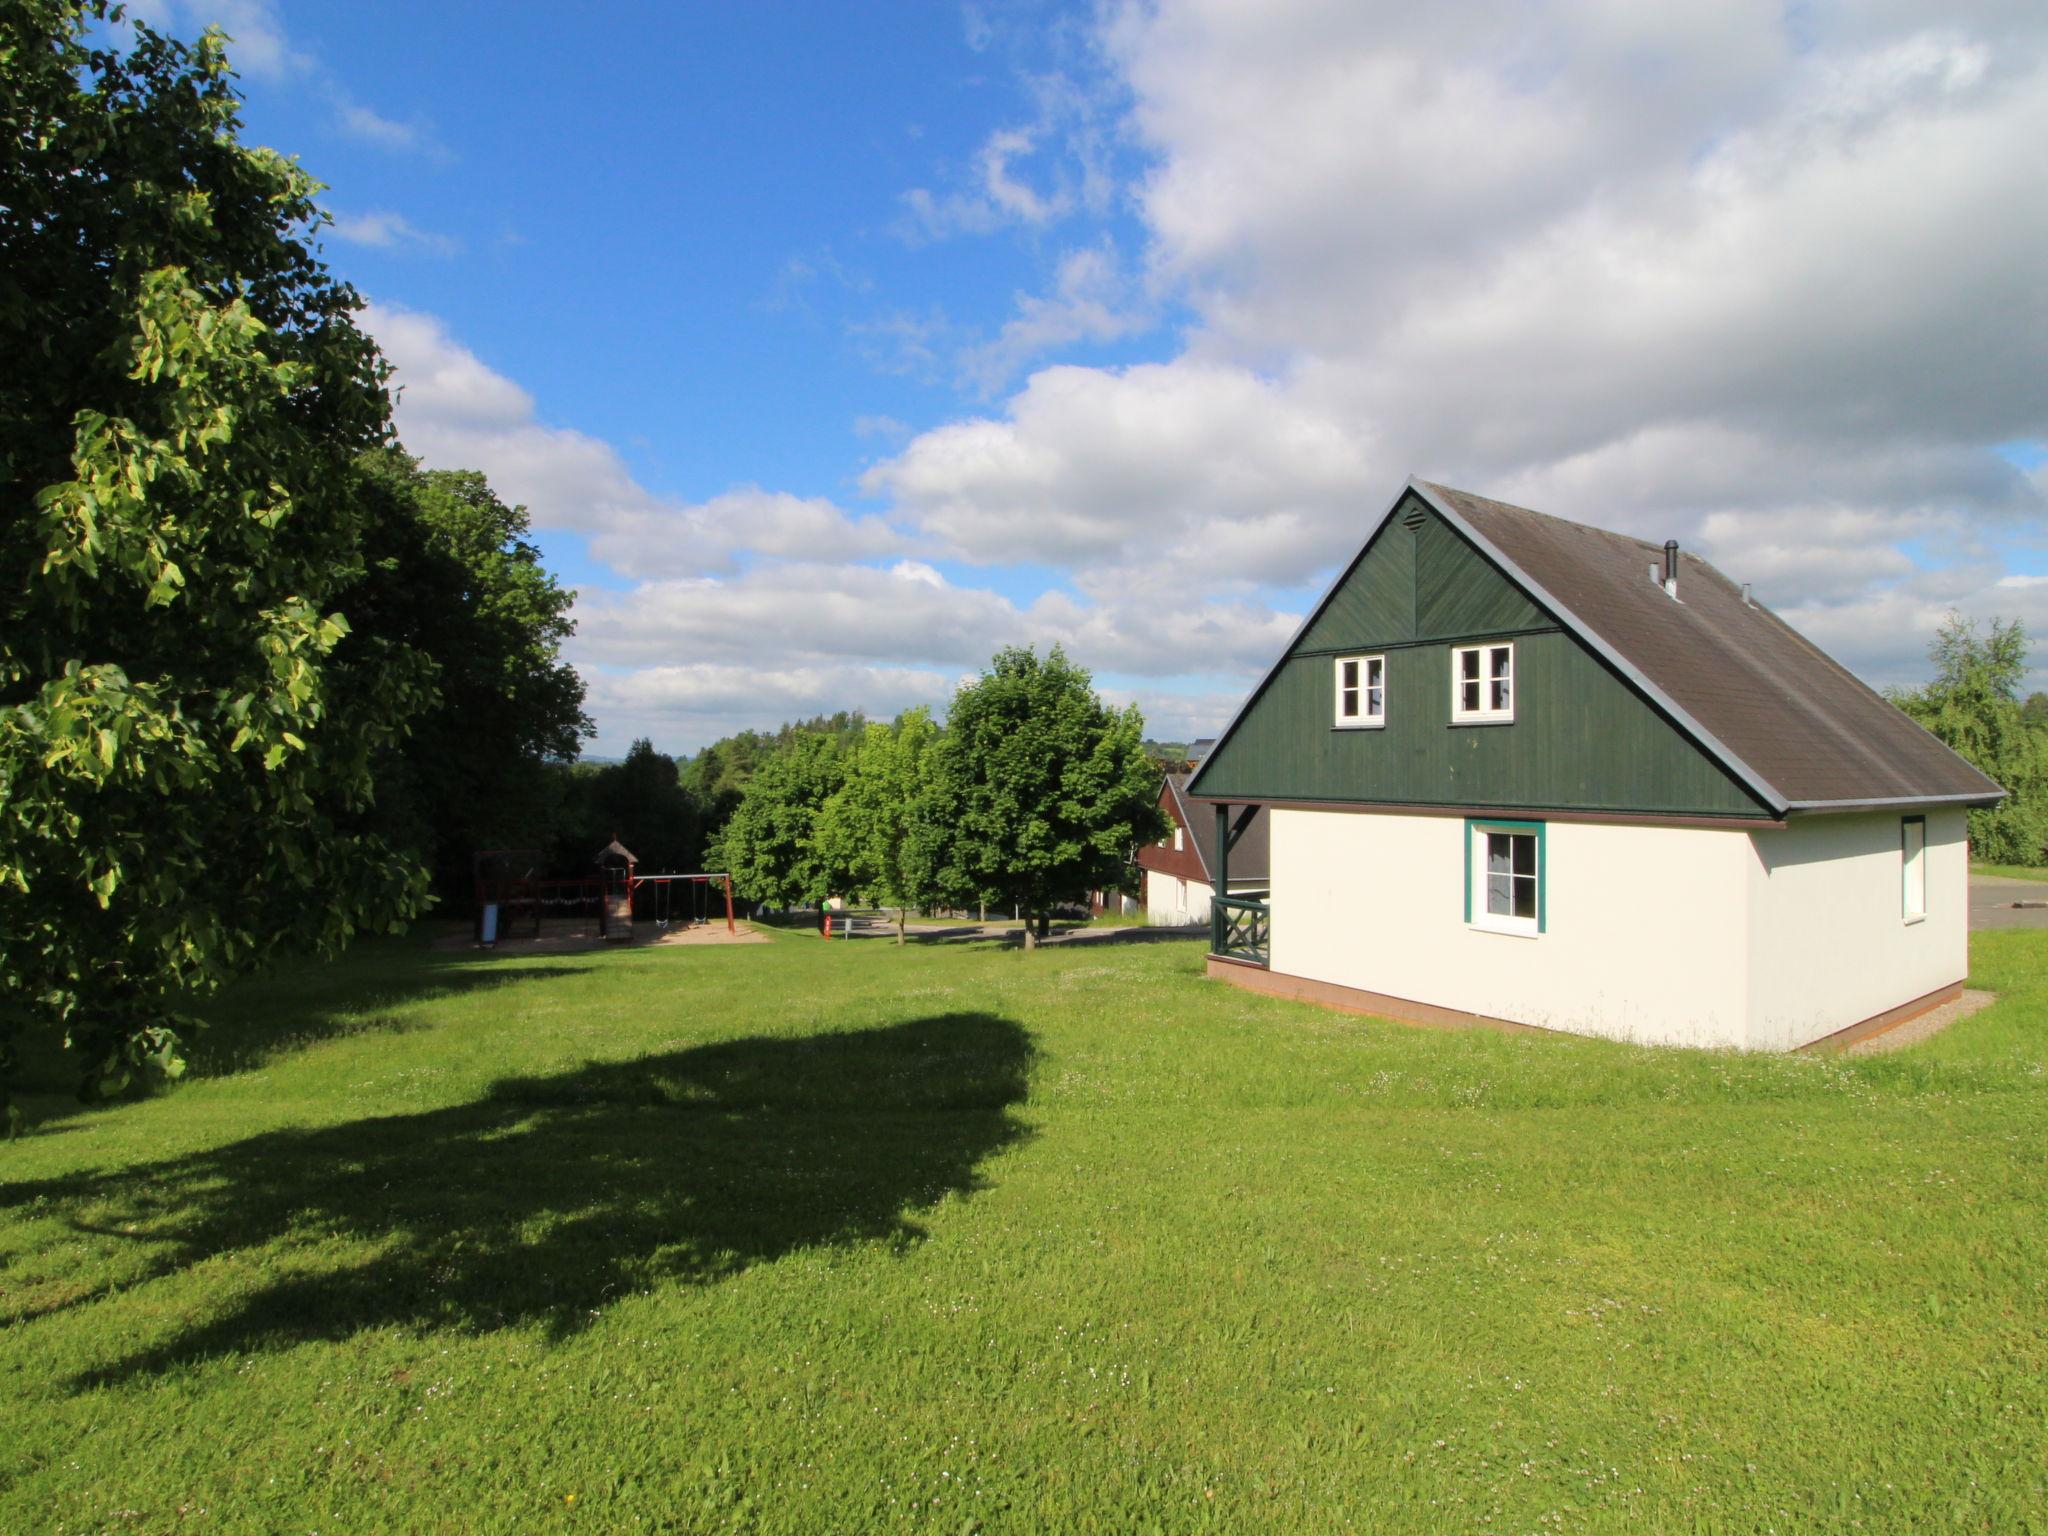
1251, 855
1781, 714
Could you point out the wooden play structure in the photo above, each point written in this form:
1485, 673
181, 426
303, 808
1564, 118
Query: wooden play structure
514, 900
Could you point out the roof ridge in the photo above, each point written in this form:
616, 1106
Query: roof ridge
1651, 546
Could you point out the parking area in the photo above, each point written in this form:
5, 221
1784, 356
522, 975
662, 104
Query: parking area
1992, 899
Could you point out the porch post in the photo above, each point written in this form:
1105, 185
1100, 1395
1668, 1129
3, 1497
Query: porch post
1222, 850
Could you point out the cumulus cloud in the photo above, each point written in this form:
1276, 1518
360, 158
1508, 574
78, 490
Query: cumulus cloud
1762, 279
456, 412
1212, 469
1092, 300
908, 613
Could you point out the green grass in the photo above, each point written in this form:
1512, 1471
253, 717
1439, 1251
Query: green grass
802, 1237
2011, 871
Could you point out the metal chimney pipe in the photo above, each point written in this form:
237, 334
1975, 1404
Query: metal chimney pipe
1671, 566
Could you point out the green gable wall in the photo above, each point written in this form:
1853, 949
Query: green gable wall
1582, 738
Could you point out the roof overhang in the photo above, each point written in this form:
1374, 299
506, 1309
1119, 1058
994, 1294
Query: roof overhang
1897, 803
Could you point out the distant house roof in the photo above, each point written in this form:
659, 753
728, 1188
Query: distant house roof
1783, 717
1251, 855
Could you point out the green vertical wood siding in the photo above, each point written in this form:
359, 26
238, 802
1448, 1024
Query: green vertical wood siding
1376, 599
1458, 591
1582, 738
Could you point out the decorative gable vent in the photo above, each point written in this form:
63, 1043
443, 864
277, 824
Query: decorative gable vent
1413, 519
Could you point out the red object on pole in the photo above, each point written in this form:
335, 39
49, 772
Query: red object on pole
729, 928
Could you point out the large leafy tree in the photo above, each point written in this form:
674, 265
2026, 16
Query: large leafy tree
1973, 704
452, 573
642, 802
771, 845
877, 834
1044, 788
188, 740
717, 777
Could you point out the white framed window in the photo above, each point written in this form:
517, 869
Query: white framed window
1505, 876
1913, 867
1178, 838
1361, 691
1482, 684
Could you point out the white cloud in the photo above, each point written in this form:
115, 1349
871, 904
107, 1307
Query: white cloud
1030, 175
258, 46
385, 230
372, 127
1762, 279
1211, 470
456, 412
1767, 283
877, 425
1092, 300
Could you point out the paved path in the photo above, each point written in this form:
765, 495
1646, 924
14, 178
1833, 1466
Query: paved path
1992, 898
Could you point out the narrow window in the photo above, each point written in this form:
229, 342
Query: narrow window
1913, 857
1482, 684
1361, 691
1178, 833
1504, 880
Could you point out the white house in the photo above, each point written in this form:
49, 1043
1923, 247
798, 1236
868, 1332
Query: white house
1523, 771
1178, 869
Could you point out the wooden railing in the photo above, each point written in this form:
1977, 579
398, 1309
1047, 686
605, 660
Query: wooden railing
1240, 929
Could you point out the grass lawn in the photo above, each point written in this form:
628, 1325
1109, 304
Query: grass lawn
2011, 871
842, 1237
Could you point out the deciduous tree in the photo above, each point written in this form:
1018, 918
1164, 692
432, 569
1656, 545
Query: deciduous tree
1045, 790
451, 573
771, 845
187, 749
1973, 705
877, 834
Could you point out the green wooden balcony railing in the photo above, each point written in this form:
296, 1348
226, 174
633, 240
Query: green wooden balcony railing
1240, 929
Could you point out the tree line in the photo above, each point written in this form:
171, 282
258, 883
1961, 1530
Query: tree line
1033, 794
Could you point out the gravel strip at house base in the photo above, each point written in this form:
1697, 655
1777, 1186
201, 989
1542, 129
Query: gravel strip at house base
1932, 1022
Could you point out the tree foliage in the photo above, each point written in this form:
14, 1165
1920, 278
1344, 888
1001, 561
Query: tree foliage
877, 839
188, 732
1043, 789
640, 800
451, 573
1973, 705
771, 845
717, 777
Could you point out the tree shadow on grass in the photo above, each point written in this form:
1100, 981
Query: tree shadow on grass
372, 990
553, 1196
270, 1016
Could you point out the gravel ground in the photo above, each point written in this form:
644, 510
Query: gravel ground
1932, 1022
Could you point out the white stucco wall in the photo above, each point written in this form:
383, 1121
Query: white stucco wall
1829, 944
1646, 937
1663, 935
1166, 908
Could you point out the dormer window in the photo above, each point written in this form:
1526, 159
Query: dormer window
1361, 691
1482, 684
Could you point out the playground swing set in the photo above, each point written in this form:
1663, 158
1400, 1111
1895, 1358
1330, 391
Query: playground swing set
512, 895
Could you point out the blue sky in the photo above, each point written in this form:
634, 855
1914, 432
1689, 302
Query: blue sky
832, 347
